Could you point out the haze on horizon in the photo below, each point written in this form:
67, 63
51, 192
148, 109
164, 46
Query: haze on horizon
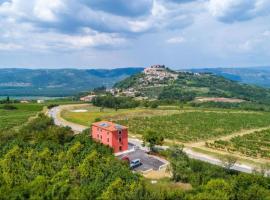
121, 33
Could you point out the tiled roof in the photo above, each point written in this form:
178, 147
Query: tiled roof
110, 126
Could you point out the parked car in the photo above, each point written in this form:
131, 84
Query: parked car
126, 159
135, 163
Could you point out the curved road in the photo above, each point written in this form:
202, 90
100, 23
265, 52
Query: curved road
55, 113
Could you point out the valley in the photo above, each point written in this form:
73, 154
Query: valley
179, 126
212, 130
134, 100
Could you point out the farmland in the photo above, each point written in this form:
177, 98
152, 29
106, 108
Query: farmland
184, 125
16, 117
197, 125
256, 144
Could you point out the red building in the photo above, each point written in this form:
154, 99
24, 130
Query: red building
111, 134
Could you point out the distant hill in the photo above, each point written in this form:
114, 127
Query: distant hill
58, 82
188, 85
258, 75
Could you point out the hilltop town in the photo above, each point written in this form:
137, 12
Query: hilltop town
153, 76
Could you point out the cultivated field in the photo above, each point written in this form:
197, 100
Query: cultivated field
197, 125
256, 144
186, 125
13, 118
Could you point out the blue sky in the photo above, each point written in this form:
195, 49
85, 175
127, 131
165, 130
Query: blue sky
121, 33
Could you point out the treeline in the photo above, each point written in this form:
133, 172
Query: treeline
7, 100
110, 101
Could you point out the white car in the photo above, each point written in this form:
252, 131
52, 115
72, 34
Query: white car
135, 163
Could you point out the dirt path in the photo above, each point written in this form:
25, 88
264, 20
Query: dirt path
201, 147
226, 137
200, 151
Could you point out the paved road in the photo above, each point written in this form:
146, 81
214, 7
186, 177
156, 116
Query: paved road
55, 114
148, 162
215, 161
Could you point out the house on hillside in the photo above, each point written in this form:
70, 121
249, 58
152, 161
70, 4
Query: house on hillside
39, 101
24, 101
111, 134
88, 98
159, 72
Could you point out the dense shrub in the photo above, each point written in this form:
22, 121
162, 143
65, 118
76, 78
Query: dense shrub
8, 107
115, 102
52, 106
43, 161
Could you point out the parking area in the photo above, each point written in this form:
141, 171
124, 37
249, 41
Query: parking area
148, 162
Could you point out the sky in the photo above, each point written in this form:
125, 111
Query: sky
134, 33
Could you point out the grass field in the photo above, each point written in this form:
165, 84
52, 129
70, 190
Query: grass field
194, 126
13, 118
256, 144
86, 118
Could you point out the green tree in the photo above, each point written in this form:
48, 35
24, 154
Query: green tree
8, 100
152, 139
228, 161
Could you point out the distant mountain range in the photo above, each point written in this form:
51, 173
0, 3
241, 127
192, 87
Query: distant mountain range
58, 82
257, 75
66, 82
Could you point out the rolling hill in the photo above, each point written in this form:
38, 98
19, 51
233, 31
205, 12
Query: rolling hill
58, 82
259, 76
172, 85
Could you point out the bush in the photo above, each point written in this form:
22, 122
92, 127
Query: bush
52, 106
9, 107
97, 119
154, 105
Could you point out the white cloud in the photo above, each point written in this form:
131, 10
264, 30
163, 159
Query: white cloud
256, 42
238, 10
109, 23
75, 26
176, 40
45, 9
9, 47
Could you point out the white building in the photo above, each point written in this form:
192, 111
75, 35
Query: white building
88, 98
